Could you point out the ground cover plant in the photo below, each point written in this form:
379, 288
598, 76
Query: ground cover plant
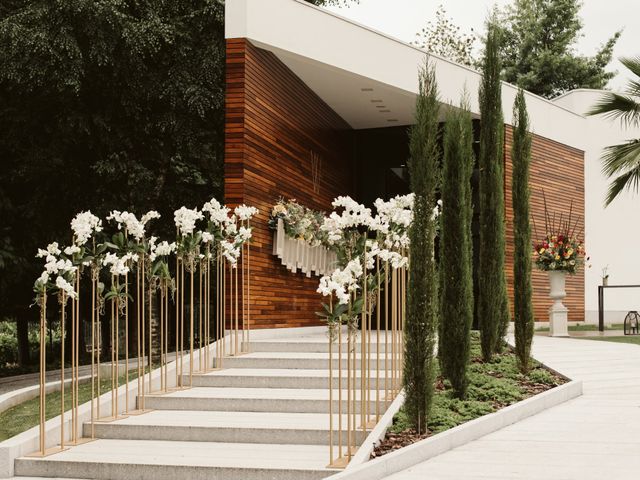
493, 385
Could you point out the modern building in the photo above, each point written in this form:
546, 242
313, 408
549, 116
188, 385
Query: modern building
319, 106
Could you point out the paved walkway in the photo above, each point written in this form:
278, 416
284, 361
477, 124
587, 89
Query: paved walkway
595, 436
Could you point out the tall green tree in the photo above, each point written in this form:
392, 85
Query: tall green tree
456, 257
539, 48
103, 105
422, 303
622, 162
493, 307
522, 306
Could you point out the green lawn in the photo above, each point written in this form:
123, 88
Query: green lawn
586, 327
633, 339
26, 415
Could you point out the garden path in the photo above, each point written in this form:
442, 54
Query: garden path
594, 436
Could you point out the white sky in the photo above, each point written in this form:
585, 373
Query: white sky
601, 18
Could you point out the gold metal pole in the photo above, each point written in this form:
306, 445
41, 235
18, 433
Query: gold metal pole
248, 349
62, 315
138, 335
191, 307
349, 418
142, 334
363, 347
340, 432
116, 379
236, 350
93, 349
126, 343
378, 342
73, 367
386, 332
166, 335
43, 373
162, 313
182, 269
150, 337
331, 339
200, 307
177, 296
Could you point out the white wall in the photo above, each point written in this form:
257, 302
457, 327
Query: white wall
612, 234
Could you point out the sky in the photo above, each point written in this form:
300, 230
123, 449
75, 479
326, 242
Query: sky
404, 18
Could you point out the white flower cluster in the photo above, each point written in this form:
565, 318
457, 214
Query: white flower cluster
243, 212
127, 220
119, 265
150, 215
230, 251
218, 214
84, 225
56, 266
353, 215
393, 221
66, 287
342, 282
185, 220
161, 249
206, 237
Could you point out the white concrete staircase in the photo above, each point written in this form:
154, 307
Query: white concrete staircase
264, 416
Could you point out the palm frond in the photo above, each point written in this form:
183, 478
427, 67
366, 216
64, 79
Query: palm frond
626, 181
616, 106
621, 158
632, 63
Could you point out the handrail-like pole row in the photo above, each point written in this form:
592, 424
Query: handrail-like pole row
190, 286
381, 359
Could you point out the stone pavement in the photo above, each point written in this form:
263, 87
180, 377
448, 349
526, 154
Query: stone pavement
595, 436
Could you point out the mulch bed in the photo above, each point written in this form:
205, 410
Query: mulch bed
396, 440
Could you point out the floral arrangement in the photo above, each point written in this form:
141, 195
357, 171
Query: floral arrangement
561, 248
300, 222
560, 252
128, 245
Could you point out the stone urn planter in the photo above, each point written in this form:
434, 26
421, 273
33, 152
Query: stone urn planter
558, 313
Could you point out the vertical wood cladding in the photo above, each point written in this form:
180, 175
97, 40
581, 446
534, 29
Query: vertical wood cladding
559, 171
281, 140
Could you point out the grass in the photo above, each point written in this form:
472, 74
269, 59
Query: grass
586, 327
492, 386
633, 339
26, 415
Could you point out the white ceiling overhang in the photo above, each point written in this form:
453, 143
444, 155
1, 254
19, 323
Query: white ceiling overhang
368, 78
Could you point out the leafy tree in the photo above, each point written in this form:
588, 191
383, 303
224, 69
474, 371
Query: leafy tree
456, 258
103, 105
622, 162
422, 303
522, 306
444, 38
538, 53
493, 308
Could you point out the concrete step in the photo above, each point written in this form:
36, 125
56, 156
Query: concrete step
299, 360
227, 427
281, 378
252, 400
160, 460
309, 346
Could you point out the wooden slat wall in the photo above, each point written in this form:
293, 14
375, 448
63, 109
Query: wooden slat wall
559, 170
274, 123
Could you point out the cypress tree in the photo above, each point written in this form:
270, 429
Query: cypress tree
521, 158
422, 302
456, 273
493, 306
